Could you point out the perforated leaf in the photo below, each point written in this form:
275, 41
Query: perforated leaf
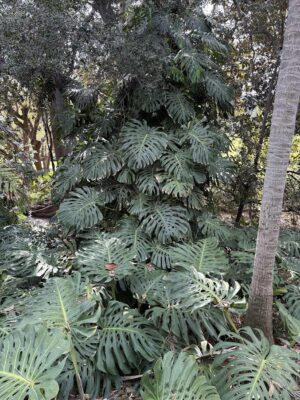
106, 259
30, 363
81, 210
101, 162
177, 376
165, 222
205, 256
131, 233
200, 140
250, 368
179, 107
142, 145
125, 338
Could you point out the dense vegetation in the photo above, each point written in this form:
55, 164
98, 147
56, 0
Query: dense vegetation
137, 128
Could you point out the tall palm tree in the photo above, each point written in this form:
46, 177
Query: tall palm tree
285, 109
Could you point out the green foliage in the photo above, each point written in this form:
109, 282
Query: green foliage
80, 210
165, 221
125, 338
101, 162
141, 144
177, 375
179, 107
205, 256
291, 324
254, 368
106, 259
31, 362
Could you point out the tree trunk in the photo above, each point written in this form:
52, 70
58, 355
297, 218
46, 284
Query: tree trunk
283, 124
57, 116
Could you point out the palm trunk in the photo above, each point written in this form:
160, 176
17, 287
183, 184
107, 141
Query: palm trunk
285, 108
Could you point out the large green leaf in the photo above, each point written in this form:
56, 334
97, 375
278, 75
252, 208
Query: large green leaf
205, 256
174, 318
125, 338
107, 259
177, 376
211, 226
250, 368
63, 304
292, 299
291, 324
80, 210
67, 176
147, 181
200, 140
178, 164
195, 291
130, 232
30, 363
142, 145
101, 162
165, 222
179, 107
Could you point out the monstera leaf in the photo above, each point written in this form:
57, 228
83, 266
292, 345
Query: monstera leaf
30, 363
81, 210
107, 259
165, 222
291, 323
174, 318
250, 368
178, 164
67, 176
177, 377
142, 145
200, 141
125, 338
130, 232
62, 304
102, 162
179, 107
205, 256
196, 291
